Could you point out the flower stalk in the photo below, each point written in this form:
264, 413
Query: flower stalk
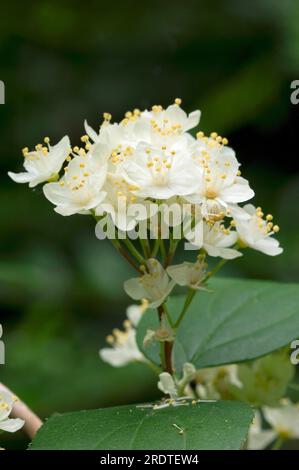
167, 345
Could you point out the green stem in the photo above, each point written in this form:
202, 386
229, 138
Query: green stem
153, 367
116, 243
168, 345
155, 249
192, 292
145, 247
216, 269
278, 443
162, 250
125, 255
190, 295
165, 346
134, 252
172, 250
162, 356
168, 315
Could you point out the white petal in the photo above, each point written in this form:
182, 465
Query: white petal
233, 375
166, 385
238, 192
257, 438
176, 114
157, 302
226, 253
134, 313
12, 425
72, 208
185, 176
134, 289
179, 273
156, 192
21, 177
90, 131
286, 418
250, 209
238, 212
116, 357
56, 193
227, 240
261, 440
268, 246
188, 371
137, 174
6, 400
193, 120
58, 153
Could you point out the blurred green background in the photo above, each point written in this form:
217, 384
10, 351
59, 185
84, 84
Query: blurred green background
60, 288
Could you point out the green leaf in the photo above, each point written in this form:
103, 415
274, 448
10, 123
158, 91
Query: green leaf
217, 425
238, 321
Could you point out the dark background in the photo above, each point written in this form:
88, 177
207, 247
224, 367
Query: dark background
60, 288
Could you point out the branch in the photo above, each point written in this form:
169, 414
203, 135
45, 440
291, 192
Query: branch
167, 346
21, 410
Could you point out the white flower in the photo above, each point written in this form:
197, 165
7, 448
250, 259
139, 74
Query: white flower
159, 174
222, 186
188, 274
154, 285
6, 405
125, 209
124, 347
284, 420
167, 385
171, 121
121, 138
189, 373
259, 438
256, 232
215, 239
44, 163
135, 312
213, 379
118, 136
171, 386
80, 189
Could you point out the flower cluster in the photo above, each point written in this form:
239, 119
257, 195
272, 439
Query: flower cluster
149, 171
150, 156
